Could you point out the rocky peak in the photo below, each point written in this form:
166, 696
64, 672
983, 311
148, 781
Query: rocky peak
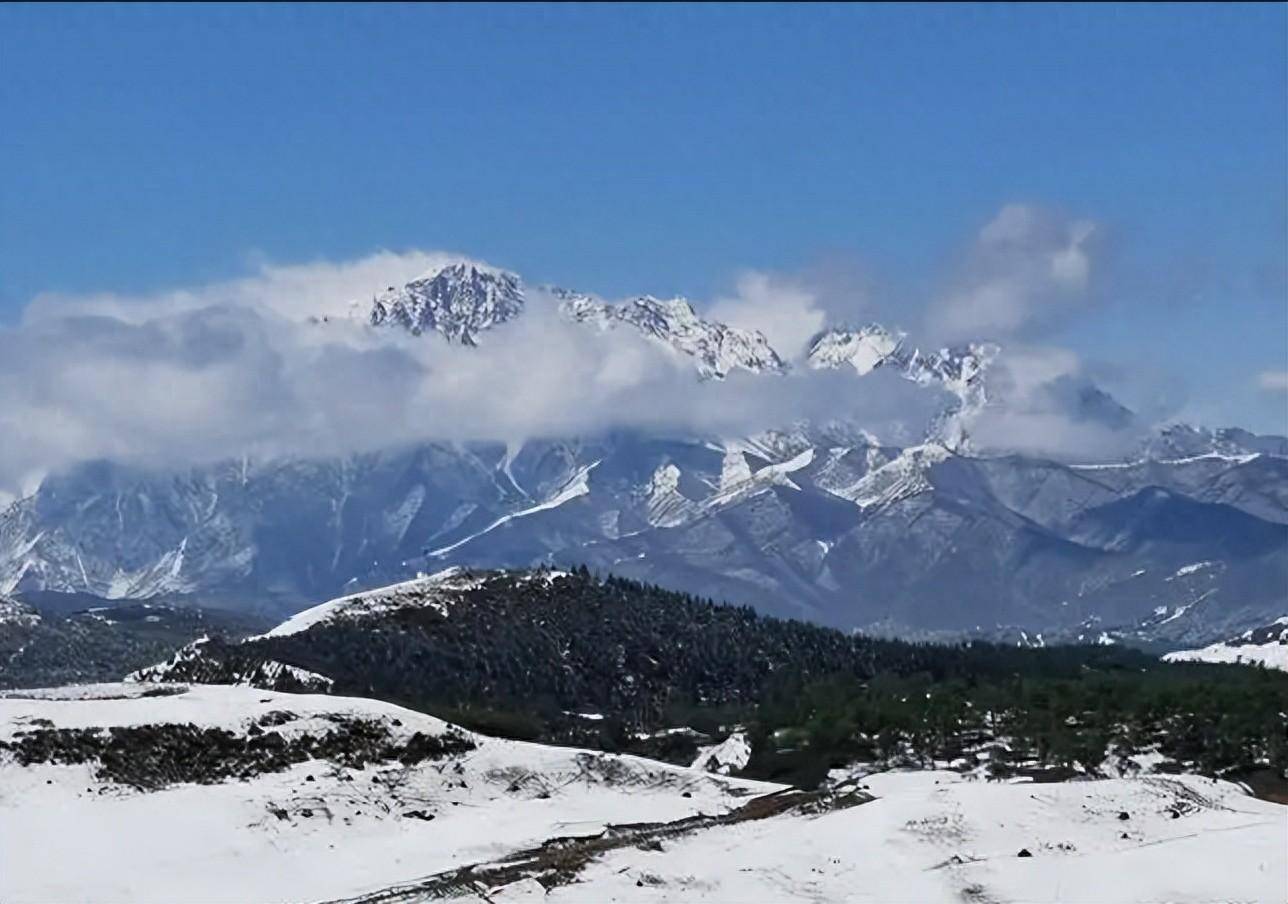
459, 301
717, 348
864, 349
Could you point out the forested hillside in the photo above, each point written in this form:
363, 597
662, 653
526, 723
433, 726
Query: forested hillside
615, 663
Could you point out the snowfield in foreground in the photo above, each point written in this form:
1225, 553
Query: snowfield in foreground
932, 837
406, 803
1266, 646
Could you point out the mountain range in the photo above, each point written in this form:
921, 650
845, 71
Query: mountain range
1183, 541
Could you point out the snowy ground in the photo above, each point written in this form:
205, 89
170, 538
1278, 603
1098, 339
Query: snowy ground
927, 837
932, 837
1266, 646
345, 833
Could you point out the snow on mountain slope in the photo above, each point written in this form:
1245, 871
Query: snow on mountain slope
900, 478
717, 348
864, 349
666, 505
462, 300
777, 516
380, 808
576, 486
1177, 441
959, 370
459, 301
356, 605
1266, 646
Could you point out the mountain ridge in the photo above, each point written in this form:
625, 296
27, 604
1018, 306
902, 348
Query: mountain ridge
815, 519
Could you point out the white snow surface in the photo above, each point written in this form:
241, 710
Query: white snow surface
933, 837
730, 755
716, 348
223, 843
1191, 569
578, 485
927, 837
368, 602
1267, 646
900, 478
1272, 655
865, 349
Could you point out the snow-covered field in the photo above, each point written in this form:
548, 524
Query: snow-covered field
66, 836
1266, 646
320, 831
933, 837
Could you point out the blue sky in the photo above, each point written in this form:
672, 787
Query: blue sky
667, 148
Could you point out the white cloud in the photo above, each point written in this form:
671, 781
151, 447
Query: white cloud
240, 367
1041, 401
1026, 267
1273, 380
295, 291
243, 367
786, 312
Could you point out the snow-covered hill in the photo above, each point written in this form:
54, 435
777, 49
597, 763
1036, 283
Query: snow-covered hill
1266, 646
328, 796
433, 590
184, 793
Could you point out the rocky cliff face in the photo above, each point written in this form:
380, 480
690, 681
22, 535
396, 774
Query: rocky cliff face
459, 301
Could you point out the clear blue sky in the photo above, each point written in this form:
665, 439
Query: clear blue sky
662, 149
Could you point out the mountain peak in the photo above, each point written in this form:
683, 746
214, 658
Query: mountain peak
458, 300
865, 349
717, 347
464, 268
1180, 440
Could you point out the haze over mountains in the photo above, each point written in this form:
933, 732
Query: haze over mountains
887, 504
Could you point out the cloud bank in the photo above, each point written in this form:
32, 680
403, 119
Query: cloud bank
1026, 269
246, 367
281, 362
1273, 380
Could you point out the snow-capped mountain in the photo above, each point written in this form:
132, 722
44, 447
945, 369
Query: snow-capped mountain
864, 349
815, 522
1176, 441
959, 370
716, 347
459, 301
814, 519
462, 300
